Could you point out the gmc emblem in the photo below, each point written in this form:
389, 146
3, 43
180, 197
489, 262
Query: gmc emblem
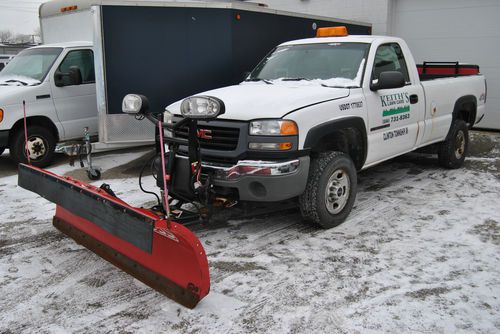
204, 134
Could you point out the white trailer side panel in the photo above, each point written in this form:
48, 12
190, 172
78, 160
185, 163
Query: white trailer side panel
451, 30
70, 27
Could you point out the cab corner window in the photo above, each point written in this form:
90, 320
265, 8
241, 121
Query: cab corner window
389, 57
84, 60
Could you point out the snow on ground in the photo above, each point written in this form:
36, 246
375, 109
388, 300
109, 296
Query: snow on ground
419, 253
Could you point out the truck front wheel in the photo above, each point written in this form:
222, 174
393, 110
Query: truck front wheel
330, 191
41, 146
452, 152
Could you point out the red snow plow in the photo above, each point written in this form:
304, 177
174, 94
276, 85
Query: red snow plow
152, 245
161, 253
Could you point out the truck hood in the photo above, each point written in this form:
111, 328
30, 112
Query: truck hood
15, 93
249, 101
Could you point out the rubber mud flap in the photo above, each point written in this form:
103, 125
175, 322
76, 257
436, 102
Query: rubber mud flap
163, 254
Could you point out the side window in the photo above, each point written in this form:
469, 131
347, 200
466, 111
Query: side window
389, 57
84, 59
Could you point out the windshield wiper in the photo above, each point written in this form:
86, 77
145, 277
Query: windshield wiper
260, 79
15, 80
346, 87
295, 79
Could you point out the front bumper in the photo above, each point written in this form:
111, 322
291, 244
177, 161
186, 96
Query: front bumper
4, 138
262, 181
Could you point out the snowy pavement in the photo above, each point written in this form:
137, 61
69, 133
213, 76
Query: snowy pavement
419, 253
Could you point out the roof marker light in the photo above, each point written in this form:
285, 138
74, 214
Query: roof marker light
332, 32
68, 8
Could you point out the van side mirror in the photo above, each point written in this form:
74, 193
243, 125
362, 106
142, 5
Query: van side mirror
72, 78
388, 80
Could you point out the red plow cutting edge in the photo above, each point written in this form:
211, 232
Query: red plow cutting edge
161, 253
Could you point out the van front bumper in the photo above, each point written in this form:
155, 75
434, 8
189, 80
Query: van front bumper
262, 181
4, 138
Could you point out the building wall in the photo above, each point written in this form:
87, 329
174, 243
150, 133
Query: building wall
375, 12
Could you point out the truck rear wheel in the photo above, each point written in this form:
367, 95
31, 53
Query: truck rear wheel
41, 146
330, 191
452, 152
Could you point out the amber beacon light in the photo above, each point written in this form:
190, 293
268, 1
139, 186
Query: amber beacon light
332, 32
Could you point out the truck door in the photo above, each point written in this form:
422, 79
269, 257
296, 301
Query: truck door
76, 105
393, 114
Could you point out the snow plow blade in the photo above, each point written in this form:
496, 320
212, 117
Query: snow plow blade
162, 254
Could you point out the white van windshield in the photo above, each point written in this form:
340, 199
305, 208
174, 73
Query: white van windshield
31, 64
329, 64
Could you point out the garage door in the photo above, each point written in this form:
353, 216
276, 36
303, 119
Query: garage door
451, 30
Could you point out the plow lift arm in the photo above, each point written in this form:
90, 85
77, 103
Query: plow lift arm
146, 243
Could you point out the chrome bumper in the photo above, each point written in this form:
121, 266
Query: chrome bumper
252, 168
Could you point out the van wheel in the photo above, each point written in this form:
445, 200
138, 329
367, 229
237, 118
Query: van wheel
330, 191
41, 146
452, 152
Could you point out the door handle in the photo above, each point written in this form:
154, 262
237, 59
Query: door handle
413, 98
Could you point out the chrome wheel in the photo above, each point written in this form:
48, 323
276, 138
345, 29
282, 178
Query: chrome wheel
337, 191
36, 148
459, 145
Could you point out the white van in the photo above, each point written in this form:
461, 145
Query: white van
57, 84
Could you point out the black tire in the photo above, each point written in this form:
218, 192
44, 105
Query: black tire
43, 145
95, 175
452, 152
316, 204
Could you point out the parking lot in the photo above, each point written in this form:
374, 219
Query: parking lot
419, 253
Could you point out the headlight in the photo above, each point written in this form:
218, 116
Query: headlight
135, 104
273, 127
202, 107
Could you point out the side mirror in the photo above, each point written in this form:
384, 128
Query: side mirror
72, 78
134, 104
388, 80
75, 75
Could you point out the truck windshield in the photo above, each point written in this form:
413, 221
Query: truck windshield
328, 64
32, 65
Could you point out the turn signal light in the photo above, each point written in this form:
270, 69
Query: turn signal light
1, 115
340, 31
289, 128
285, 146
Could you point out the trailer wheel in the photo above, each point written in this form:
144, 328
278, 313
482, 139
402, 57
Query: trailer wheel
94, 174
41, 146
452, 152
330, 191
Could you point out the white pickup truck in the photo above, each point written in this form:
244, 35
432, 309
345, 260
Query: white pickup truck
316, 111
57, 83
